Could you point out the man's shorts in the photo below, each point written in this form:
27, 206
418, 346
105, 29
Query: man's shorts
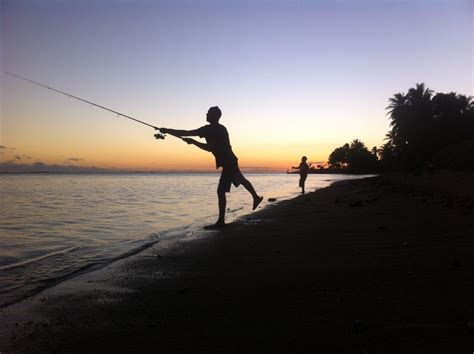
229, 176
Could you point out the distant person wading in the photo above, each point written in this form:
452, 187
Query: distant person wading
304, 168
217, 142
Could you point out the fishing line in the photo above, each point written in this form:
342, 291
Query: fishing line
118, 114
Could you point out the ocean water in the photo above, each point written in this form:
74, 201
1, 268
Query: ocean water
53, 226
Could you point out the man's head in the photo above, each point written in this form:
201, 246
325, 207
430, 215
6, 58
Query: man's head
213, 114
304, 158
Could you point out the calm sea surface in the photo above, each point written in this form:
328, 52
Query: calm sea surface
55, 225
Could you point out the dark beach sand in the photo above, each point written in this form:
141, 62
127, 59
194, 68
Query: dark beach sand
373, 265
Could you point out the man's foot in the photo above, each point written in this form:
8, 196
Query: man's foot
256, 202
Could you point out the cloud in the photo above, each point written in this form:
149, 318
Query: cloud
5, 149
75, 159
12, 155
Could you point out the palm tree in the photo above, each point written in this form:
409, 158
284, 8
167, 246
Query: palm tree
394, 138
466, 103
446, 106
423, 124
390, 136
411, 118
419, 94
420, 108
356, 144
398, 109
386, 150
451, 112
375, 151
388, 156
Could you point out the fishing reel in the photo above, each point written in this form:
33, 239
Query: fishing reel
159, 136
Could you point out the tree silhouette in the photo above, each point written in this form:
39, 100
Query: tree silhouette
338, 158
423, 124
353, 157
426, 130
375, 151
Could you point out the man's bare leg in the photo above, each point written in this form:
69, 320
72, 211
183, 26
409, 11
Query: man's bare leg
256, 198
222, 203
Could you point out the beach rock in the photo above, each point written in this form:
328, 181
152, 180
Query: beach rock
272, 199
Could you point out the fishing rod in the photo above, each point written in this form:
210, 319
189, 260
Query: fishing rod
157, 135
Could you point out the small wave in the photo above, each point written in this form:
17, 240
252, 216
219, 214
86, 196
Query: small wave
92, 266
40, 258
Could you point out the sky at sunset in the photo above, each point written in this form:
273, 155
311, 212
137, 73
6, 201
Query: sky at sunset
292, 77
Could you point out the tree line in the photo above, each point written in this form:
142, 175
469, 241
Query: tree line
428, 131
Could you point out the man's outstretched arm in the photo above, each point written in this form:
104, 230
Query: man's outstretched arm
179, 133
197, 143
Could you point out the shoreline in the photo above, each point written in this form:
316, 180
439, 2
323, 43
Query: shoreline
364, 265
93, 267
169, 235
46, 281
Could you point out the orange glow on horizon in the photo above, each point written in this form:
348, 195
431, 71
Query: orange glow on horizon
151, 155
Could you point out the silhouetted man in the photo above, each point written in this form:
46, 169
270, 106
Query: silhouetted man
217, 142
304, 168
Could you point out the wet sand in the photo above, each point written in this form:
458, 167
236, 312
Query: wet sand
378, 265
